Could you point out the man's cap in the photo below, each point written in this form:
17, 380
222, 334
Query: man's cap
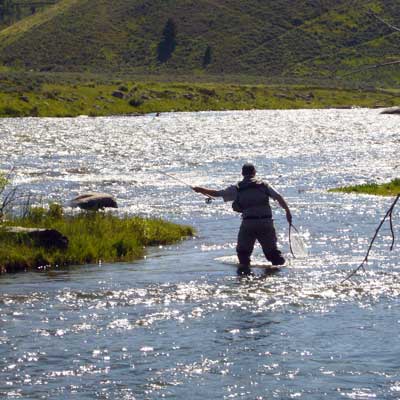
248, 169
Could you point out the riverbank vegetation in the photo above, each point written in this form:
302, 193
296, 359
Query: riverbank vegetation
43, 95
385, 189
92, 237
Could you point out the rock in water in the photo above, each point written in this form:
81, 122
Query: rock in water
393, 110
48, 238
94, 201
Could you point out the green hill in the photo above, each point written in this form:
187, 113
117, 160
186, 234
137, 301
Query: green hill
12, 11
291, 39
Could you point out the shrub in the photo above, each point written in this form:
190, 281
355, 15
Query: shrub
55, 211
36, 215
136, 102
3, 182
34, 111
121, 248
11, 112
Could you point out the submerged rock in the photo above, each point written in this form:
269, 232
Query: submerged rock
94, 201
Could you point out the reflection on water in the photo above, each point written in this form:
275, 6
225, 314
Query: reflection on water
181, 324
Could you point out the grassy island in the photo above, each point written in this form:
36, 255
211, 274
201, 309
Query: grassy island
91, 237
385, 189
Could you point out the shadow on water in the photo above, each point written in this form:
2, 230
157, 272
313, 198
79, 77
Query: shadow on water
245, 272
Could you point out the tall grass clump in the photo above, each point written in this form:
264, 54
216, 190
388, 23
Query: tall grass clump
92, 237
391, 188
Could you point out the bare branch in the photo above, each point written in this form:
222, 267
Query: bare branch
371, 67
388, 214
27, 206
395, 28
8, 199
367, 67
391, 230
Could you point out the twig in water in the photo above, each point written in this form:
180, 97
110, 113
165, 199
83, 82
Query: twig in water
388, 214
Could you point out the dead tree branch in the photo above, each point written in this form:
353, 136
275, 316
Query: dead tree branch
11, 197
372, 67
389, 214
395, 28
367, 67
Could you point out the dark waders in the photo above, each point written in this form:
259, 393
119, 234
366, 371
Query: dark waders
263, 230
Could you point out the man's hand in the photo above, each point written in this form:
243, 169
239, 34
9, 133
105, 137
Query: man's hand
205, 191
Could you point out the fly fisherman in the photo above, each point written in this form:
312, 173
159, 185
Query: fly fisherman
250, 197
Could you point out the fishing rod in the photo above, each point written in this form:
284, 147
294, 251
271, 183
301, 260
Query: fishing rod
209, 198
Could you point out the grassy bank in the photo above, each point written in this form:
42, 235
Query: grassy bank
386, 189
38, 95
92, 237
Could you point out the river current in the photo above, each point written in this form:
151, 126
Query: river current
180, 324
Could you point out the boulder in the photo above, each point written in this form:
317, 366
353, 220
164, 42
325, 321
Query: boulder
48, 238
393, 110
118, 94
207, 92
94, 201
189, 96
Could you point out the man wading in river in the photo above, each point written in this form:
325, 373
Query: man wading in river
251, 198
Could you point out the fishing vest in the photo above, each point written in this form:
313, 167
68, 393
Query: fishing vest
252, 199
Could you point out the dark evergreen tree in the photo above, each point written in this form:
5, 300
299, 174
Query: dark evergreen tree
168, 42
18, 12
6, 7
207, 58
2, 11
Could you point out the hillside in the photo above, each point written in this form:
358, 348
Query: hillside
281, 38
12, 11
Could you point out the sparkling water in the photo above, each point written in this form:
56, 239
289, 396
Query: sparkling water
180, 324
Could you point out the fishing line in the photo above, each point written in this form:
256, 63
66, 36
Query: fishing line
209, 198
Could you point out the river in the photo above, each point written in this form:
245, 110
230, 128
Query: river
180, 324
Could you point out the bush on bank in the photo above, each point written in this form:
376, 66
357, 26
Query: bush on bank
92, 237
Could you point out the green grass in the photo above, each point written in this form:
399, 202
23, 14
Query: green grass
92, 237
386, 189
62, 95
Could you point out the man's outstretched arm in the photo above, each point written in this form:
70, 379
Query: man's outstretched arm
206, 192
